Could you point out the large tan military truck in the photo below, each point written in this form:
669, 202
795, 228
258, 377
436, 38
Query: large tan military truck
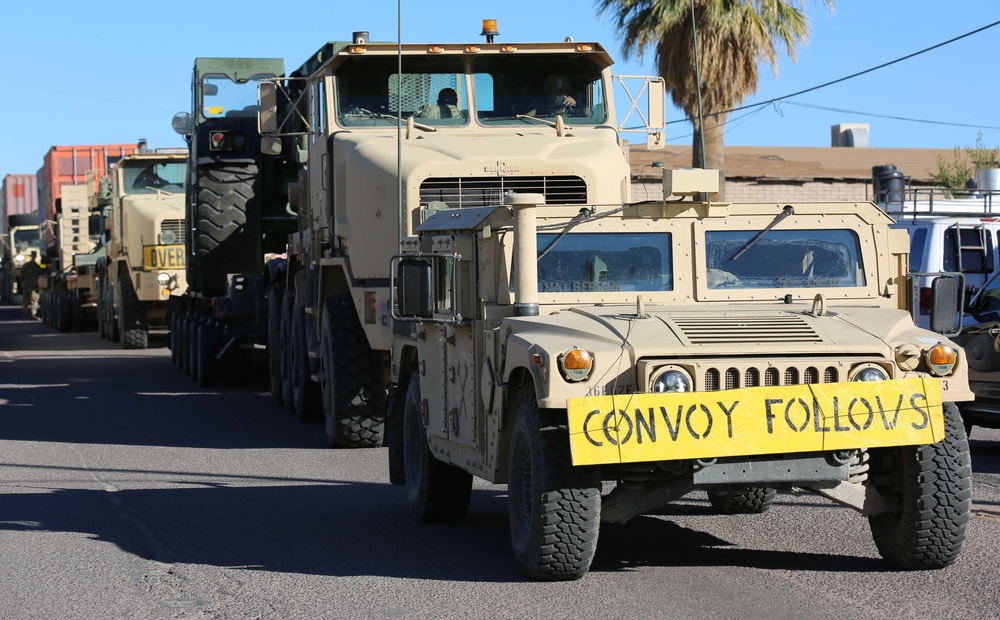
483, 275
144, 261
22, 238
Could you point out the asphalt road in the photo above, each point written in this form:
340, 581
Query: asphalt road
128, 492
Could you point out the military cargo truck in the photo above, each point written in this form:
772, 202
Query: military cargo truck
22, 238
144, 260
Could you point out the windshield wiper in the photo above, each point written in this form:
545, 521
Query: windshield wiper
788, 210
584, 214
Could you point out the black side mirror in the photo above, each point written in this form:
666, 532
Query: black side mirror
947, 296
414, 288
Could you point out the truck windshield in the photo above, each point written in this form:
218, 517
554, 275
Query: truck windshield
222, 97
784, 259
598, 262
150, 177
25, 239
509, 88
371, 92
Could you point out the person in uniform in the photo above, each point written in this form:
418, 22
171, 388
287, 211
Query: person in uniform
30, 272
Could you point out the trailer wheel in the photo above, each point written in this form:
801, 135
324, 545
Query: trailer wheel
353, 395
274, 298
306, 402
932, 485
745, 501
436, 491
554, 508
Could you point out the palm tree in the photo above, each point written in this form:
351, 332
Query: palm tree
733, 37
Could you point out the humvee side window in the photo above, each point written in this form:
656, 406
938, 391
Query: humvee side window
784, 259
599, 262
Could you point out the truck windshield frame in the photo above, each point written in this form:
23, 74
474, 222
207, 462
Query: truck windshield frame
150, 177
602, 262
223, 97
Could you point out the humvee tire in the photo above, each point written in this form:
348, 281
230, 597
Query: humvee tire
436, 491
220, 214
352, 390
554, 508
980, 353
932, 484
745, 501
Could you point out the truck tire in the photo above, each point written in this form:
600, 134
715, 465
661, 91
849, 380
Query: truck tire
932, 485
980, 353
114, 332
436, 491
352, 392
132, 316
220, 218
208, 368
285, 350
63, 311
745, 501
554, 508
306, 403
274, 298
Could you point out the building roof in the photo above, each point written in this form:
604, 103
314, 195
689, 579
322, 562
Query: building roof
788, 163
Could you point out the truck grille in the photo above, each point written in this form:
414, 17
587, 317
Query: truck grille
485, 191
176, 227
787, 372
745, 330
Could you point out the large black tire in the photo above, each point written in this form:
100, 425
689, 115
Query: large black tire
206, 343
133, 328
352, 393
78, 313
933, 488
980, 353
222, 243
285, 351
274, 298
554, 508
102, 325
183, 329
306, 398
175, 357
114, 329
436, 491
744, 501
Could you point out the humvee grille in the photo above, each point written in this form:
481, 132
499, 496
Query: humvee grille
174, 226
715, 379
751, 330
485, 191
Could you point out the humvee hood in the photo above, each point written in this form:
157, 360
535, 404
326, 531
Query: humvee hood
665, 331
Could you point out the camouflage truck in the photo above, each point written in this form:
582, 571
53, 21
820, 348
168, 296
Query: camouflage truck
144, 254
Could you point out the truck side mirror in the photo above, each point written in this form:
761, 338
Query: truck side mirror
656, 114
414, 288
946, 305
267, 113
182, 123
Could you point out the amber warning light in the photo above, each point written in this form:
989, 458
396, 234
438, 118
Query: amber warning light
489, 30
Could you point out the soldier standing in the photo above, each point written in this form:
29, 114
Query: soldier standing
29, 288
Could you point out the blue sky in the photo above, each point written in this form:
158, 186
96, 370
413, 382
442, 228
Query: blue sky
114, 71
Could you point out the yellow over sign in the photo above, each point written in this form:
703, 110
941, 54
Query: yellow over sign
630, 428
162, 257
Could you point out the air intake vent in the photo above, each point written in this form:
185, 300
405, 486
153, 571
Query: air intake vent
172, 232
486, 191
749, 330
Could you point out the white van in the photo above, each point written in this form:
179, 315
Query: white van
948, 235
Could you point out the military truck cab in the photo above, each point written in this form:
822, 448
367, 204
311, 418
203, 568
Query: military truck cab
662, 347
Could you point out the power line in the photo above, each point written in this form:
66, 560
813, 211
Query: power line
852, 76
897, 118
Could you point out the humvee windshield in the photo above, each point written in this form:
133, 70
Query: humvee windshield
150, 177
784, 259
597, 262
222, 97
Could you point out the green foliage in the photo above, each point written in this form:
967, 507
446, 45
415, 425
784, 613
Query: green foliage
956, 173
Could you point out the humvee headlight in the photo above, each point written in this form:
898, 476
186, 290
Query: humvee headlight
163, 279
576, 364
672, 380
941, 359
870, 373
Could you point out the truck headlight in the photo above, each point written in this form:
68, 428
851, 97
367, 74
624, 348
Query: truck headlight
576, 364
941, 359
19, 258
163, 279
671, 380
870, 373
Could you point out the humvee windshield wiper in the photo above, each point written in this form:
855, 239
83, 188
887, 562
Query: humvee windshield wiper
583, 215
788, 210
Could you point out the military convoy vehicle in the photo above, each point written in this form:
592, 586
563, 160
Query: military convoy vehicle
144, 253
474, 286
22, 237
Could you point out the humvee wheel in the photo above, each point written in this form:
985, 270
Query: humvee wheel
745, 501
554, 508
980, 353
436, 491
274, 298
933, 487
351, 390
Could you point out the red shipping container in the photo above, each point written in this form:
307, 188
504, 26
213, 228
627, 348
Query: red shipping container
18, 195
